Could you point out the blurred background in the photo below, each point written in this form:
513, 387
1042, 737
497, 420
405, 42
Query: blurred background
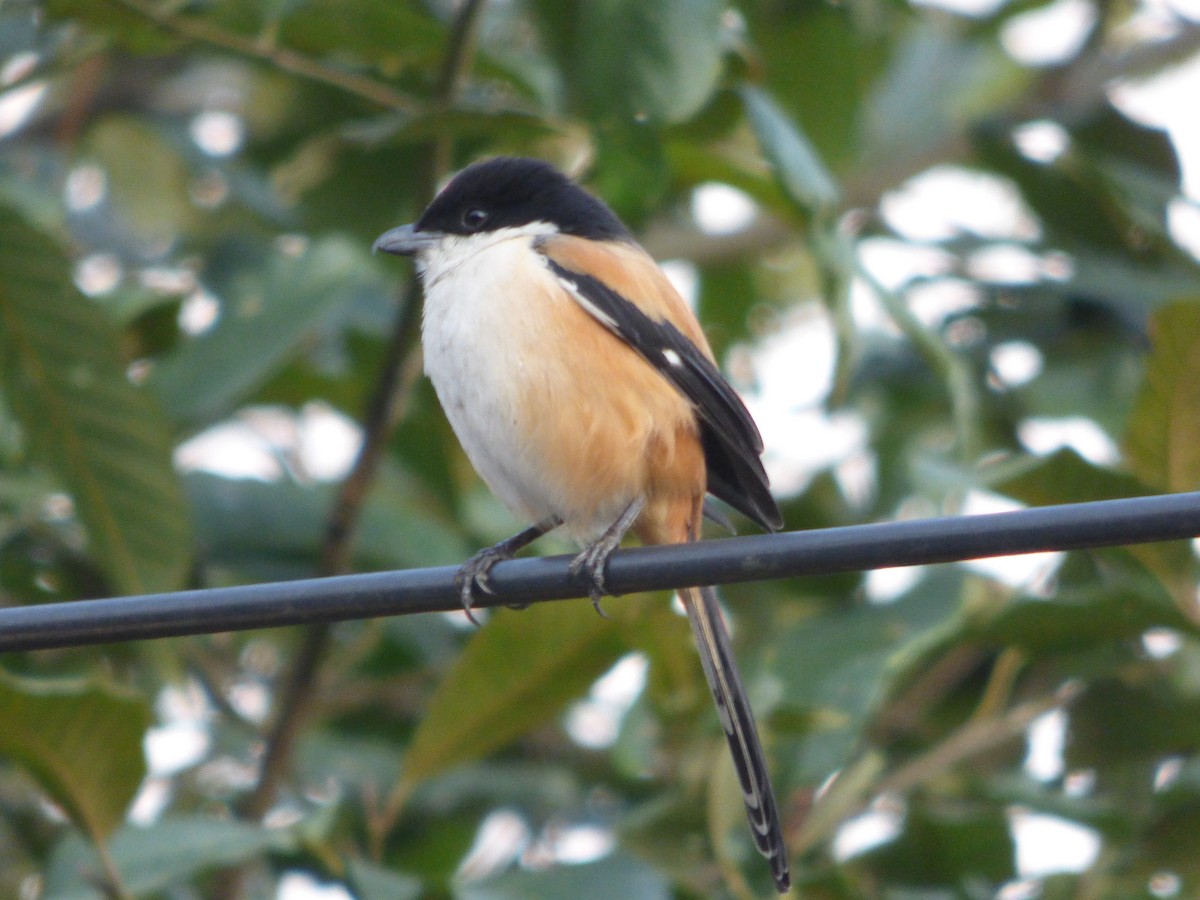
947, 251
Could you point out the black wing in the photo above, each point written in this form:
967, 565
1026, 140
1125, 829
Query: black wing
730, 439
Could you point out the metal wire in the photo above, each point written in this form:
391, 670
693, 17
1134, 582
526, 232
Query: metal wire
1078, 526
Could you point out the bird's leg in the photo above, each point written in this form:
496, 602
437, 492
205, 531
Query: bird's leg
717, 516
475, 571
594, 557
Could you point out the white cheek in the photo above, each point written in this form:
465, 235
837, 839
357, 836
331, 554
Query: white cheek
455, 252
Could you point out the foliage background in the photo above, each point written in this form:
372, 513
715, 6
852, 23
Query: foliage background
163, 163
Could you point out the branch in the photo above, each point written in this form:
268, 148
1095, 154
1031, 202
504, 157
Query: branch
1077, 526
281, 58
1087, 82
386, 408
950, 368
972, 739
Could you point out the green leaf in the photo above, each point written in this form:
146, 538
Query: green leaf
936, 84
1099, 812
538, 786
1163, 439
1062, 477
517, 672
791, 155
1065, 477
167, 853
1083, 617
840, 65
726, 292
1121, 721
383, 32
657, 62
121, 25
373, 882
619, 875
692, 163
631, 171
269, 529
949, 844
1126, 286
82, 742
270, 302
838, 667
105, 438
1105, 197
1137, 164
148, 180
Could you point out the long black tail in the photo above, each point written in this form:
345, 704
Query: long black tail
720, 668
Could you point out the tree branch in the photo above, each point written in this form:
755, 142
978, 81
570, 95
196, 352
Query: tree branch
386, 407
192, 29
976, 737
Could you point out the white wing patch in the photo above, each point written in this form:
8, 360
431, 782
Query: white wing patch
591, 308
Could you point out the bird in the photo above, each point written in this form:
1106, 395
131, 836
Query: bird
585, 394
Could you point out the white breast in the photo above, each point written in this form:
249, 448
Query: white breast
478, 330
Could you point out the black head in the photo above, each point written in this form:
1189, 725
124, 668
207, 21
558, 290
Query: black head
511, 191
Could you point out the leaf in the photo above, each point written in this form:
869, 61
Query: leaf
635, 61
693, 163
373, 882
725, 292
839, 68
791, 155
270, 302
1099, 812
517, 672
1065, 477
1080, 618
1106, 196
1120, 721
123, 26
838, 667
1162, 443
538, 786
949, 844
1138, 163
168, 853
106, 439
1061, 477
147, 178
1130, 288
82, 742
631, 172
619, 875
935, 85
383, 32
269, 529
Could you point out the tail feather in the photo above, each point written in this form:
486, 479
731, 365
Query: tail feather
720, 668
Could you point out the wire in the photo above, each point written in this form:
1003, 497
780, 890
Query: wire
1076, 526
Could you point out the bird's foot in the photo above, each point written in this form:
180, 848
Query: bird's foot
593, 560
591, 563
476, 571
475, 575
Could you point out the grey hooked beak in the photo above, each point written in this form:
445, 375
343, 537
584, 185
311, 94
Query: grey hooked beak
405, 240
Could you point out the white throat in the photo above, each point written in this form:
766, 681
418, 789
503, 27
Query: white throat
446, 257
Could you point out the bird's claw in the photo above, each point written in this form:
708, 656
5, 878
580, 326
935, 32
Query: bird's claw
592, 562
475, 574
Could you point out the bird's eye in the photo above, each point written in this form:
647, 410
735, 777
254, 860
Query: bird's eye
473, 218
